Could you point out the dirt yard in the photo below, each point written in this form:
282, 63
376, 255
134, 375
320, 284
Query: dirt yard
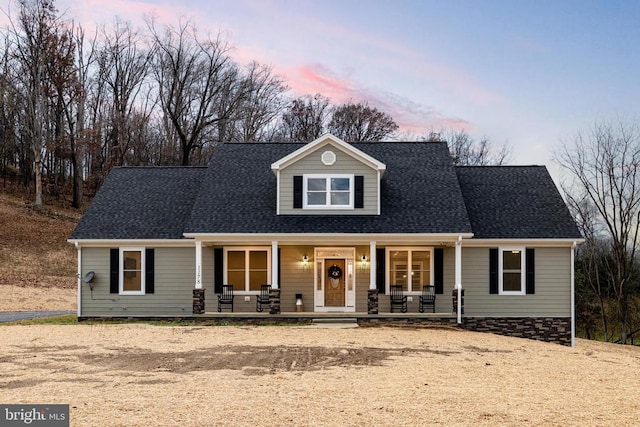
141, 375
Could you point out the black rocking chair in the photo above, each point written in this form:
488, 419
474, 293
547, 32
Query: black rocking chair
226, 297
428, 298
397, 298
262, 298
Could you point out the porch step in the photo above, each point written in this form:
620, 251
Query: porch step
335, 322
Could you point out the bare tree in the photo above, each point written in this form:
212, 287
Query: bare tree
304, 119
361, 123
591, 264
263, 102
37, 22
467, 151
197, 83
605, 169
125, 67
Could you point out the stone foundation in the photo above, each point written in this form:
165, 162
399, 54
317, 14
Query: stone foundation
454, 296
550, 329
372, 301
198, 301
274, 301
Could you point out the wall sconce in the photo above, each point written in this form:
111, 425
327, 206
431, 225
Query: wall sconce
363, 262
305, 262
305, 259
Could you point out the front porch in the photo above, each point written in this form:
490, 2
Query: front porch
326, 278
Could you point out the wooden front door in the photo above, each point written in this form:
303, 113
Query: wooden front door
334, 283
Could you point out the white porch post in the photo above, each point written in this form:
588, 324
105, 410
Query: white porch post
372, 265
573, 295
274, 265
198, 264
458, 276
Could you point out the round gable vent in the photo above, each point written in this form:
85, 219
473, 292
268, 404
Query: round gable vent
328, 158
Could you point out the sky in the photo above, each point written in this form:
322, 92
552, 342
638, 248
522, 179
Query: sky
530, 74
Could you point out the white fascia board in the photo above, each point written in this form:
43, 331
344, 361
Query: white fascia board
133, 242
325, 139
468, 243
328, 238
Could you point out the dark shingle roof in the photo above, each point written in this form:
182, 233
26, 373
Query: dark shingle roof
141, 203
514, 202
420, 193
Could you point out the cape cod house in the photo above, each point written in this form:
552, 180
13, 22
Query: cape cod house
330, 227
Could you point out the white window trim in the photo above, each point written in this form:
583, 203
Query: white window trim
142, 290
410, 249
523, 263
247, 273
328, 177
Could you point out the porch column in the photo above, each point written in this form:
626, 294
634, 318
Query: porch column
274, 265
573, 295
198, 264
372, 265
458, 276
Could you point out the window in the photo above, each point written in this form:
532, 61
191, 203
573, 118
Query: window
511, 268
132, 280
247, 268
412, 268
328, 191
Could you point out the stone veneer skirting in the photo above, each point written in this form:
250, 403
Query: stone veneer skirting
549, 329
198, 301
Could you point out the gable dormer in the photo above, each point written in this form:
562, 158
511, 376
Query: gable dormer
328, 177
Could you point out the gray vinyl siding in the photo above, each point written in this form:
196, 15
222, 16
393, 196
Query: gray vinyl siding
174, 281
345, 164
552, 278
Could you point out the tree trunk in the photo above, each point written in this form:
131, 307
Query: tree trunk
38, 162
77, 181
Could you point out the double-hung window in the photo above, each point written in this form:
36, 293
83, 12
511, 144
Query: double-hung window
328, 191
412, 268
247, 268
132, 272
511, 271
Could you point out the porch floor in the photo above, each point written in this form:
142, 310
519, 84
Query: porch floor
307, 315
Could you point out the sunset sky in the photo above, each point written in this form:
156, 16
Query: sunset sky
527, 73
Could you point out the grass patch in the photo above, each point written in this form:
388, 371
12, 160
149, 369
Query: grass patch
72, 319
65, 319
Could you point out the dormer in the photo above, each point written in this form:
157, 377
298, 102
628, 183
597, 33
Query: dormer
328, 177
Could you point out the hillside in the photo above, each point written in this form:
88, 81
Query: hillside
37, 265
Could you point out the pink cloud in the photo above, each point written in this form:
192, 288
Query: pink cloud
412, 117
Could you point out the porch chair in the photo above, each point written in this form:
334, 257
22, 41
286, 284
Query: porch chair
428, 298
262, 298
226, 297
397, 298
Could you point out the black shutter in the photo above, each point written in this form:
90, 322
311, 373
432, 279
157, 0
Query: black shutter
531, 270
380, 270
297, 192
114, 269
218, 264
438, 270
279, 268
359, 192
149, 271
493, 271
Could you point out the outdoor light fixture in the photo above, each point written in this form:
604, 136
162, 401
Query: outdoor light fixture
305, 259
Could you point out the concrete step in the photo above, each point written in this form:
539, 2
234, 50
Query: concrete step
335, 320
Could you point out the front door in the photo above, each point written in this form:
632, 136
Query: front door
334, 291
